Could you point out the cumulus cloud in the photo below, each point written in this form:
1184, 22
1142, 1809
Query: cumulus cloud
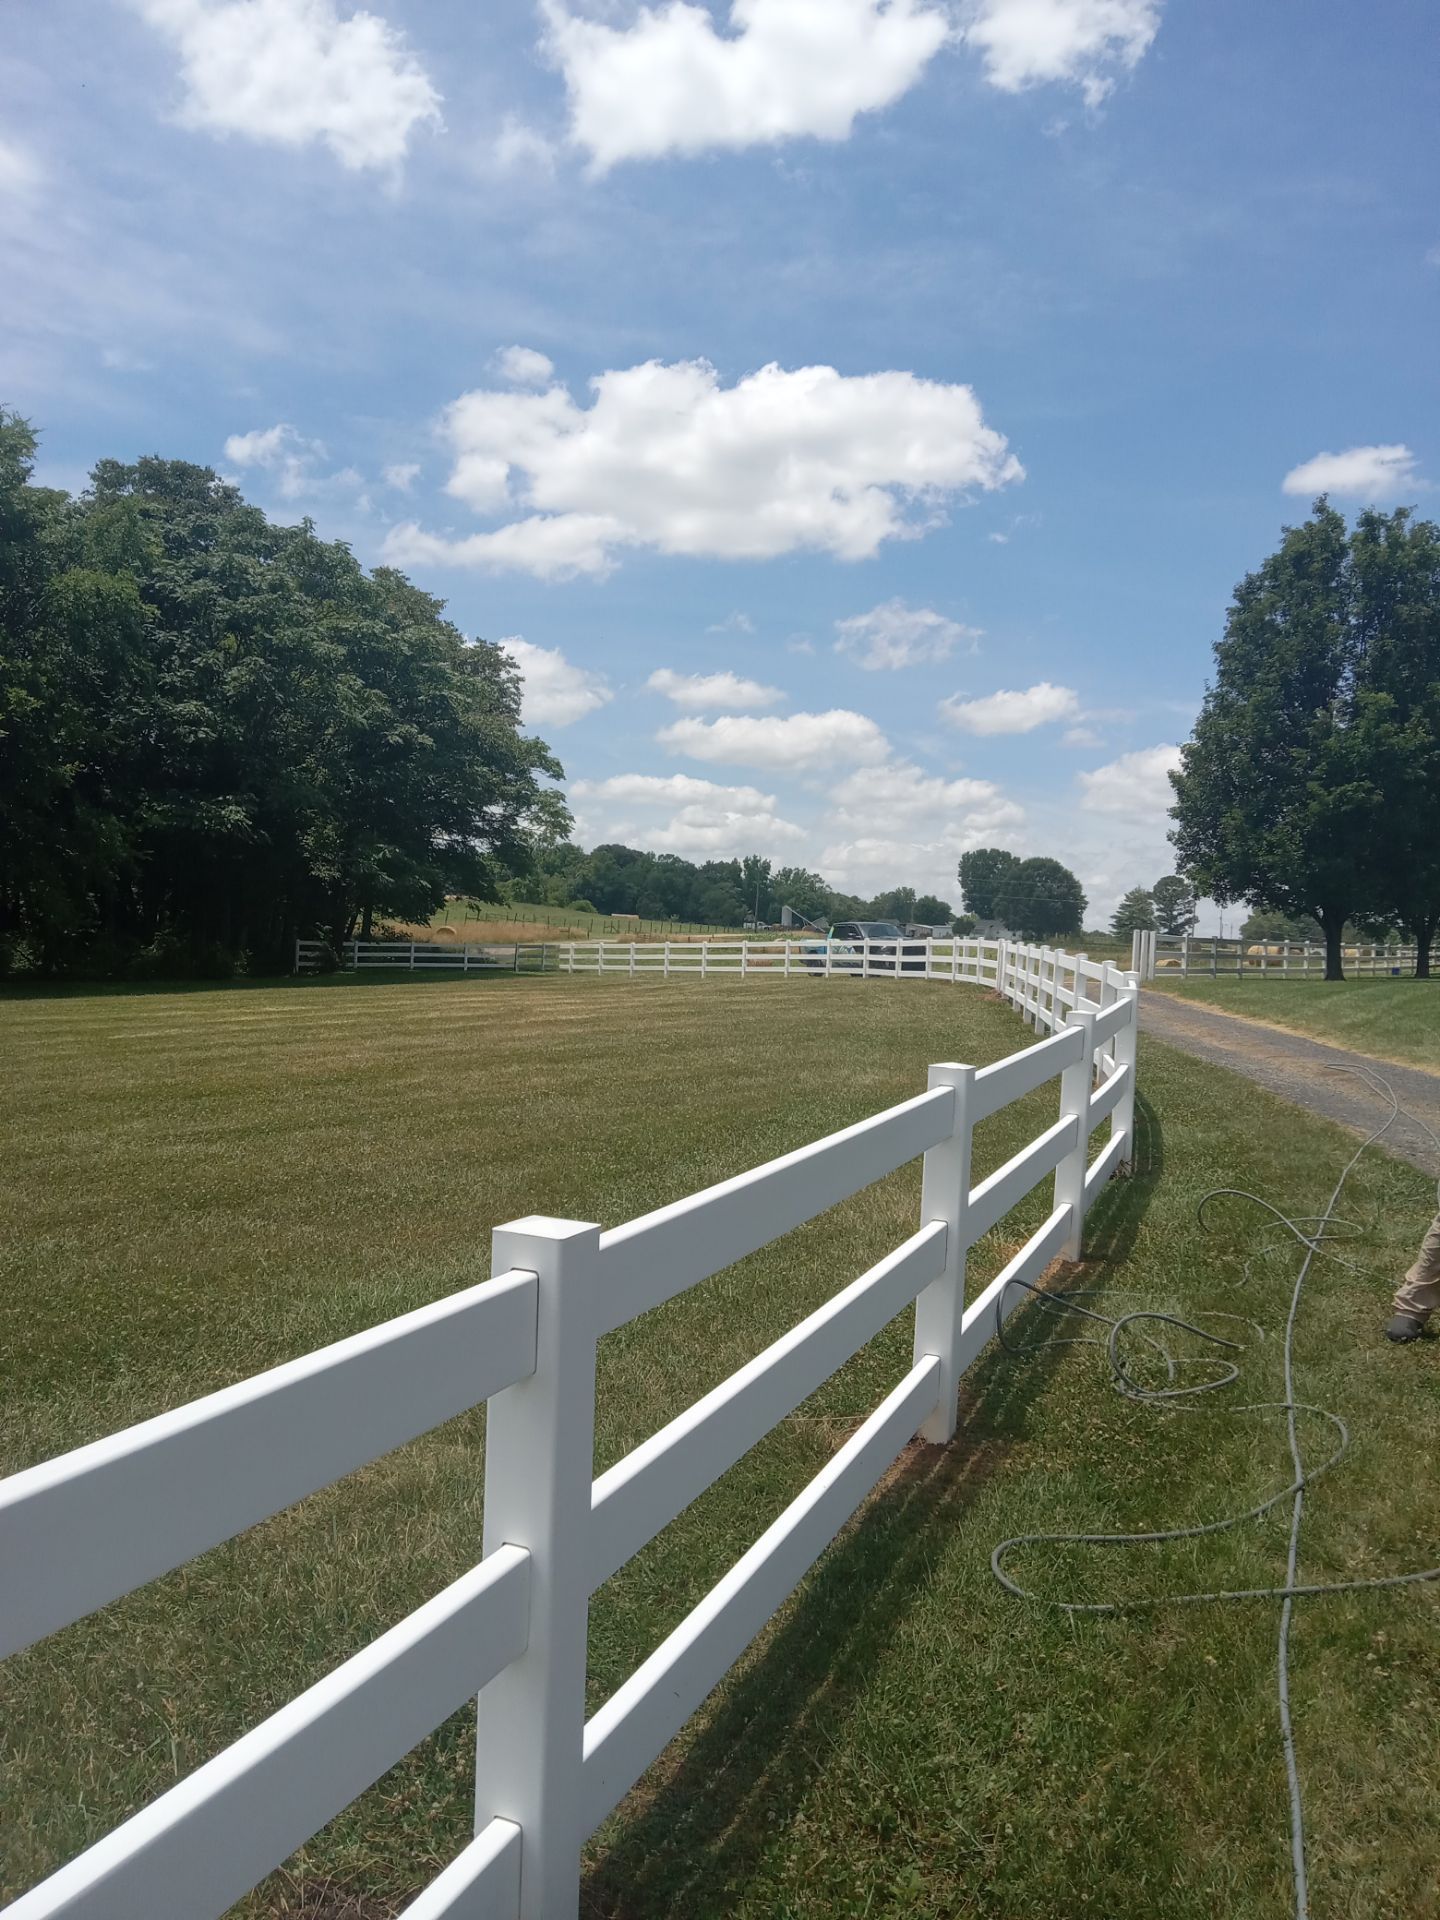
1080, 737
669, 82
294, 71
717, 692
896, 823
283, 451
1082, 43
555, 691
1017, 711
402, 475
676, 813
524, 367
799, 742
1137, 784
733, 623
1360, 473
895, 635
903, 795
666, 458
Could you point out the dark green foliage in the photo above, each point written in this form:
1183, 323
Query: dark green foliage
1311, 786
1174, 902
220, 734
981, 875
931, 911
1040, 898
1135, 913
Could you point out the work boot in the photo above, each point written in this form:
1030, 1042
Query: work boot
1403, 1327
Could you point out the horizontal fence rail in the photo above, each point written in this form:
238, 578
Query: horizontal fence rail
84, 1529
1161, 955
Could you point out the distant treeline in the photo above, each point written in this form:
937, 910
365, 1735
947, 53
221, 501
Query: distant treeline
718, 893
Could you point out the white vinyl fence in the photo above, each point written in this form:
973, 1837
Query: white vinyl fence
1188, 955
79, 1531
425, 956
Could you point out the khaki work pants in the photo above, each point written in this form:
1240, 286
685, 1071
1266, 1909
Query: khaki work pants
1420, 1290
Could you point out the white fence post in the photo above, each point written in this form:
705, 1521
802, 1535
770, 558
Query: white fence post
667, 959
1075, 1087
539, 1458
945, 1195
1127, 1054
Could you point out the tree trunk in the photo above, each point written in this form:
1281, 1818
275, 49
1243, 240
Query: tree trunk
367, 920
1333, 925
1424, 934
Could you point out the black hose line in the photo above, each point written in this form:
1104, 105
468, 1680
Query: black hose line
1317, 1234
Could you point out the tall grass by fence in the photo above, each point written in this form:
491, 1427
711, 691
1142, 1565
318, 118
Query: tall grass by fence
81, 1530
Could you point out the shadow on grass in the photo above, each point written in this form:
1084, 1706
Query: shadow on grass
693, 1833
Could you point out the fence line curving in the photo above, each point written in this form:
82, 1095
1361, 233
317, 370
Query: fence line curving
83, 1529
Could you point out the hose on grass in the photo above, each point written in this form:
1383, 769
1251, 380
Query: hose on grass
1317, 1234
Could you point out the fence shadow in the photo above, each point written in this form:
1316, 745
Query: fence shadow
692, 1833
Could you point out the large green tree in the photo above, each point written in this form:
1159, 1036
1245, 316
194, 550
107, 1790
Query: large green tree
1395, 565
1040, 898
981, 874
221, 734
1278, 798
1135, 913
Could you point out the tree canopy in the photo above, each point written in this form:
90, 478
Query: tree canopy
1135, 913
1311, 785
981, 873
1173, 899
221, 733
1040, 898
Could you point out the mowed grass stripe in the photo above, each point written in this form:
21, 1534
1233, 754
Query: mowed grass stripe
198, 1193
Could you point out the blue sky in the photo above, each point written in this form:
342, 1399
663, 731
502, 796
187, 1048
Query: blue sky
854, 416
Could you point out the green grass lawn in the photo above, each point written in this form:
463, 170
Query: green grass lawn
1393, 1019
200, 1183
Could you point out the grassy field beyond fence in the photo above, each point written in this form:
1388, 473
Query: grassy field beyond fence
1392, 1019
201, 1183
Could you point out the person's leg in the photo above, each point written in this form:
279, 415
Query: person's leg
1419, 1293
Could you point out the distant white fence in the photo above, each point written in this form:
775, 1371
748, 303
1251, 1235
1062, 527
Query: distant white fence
1154, 954
424, 956
81, 1530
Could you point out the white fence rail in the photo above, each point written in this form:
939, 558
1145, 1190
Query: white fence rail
426, 956
81, 1530
1189, 956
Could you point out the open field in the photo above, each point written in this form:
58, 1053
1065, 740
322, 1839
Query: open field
1393, 1019
200, 1183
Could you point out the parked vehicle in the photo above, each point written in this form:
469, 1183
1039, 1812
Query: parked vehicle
889, 949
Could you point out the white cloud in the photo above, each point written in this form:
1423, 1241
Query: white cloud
521, 148
403, 475
1017, 711
668, 459
295, 71
556, 692
1080, 737
1137, 784
724, 692
677, 813
895, 635
1360, 473
282, 451
1083, 43
905, 796
670, 83
524, 367
733, 623
19, 170
799, 742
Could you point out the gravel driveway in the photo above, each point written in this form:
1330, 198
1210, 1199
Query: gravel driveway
1302, 1070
